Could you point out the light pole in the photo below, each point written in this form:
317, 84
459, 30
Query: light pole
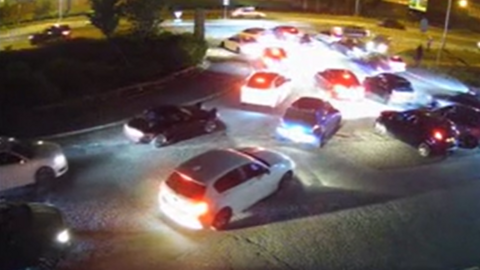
60, 10
357, 7
461, 3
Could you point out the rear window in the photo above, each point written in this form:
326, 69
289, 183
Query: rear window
300, 116
185, 186
261, 80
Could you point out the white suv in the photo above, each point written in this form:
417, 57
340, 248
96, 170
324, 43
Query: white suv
207, 190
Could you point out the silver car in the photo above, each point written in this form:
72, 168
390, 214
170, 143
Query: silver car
207, 190
29, 162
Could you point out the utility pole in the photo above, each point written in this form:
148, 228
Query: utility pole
445, 31
60, 10
357, 7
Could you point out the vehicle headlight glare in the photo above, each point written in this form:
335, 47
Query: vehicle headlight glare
59, 160
63, 237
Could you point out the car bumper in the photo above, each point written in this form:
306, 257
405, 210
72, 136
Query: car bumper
179, 217
296, 136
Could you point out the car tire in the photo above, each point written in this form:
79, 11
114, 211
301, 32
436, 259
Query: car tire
159, 141
424, 150
44, 176
222, 219
380, 128
222, 44
210, 126
285, 181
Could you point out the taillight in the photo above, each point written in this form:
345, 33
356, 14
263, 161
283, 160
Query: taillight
438, 135
198, 209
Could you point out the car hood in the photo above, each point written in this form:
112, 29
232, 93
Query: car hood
267, 156
43, 149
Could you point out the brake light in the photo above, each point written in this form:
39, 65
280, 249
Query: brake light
346, 76
275, 52
65, 33
198, 209
438, 135
260, 80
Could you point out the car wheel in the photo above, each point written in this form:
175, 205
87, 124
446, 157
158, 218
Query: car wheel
44, 176
210, 126
222, 219
222, 44
380, 128
424, 150
160, 141
469, 141
285, 180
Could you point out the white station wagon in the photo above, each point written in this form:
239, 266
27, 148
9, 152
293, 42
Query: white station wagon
24, 162
207, 190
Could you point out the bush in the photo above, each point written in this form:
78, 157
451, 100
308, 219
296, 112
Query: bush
79, 67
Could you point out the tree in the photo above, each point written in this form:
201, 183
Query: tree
106, 15
8, 14
42, 9
145, 15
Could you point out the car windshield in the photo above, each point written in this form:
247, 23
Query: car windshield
185, 186
300, 116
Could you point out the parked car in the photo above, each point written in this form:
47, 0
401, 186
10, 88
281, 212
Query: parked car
354, 31
391, 23
25, 163
242, 44
378, 44
340, 84
209, 189
32, 235
467, 121
390, 88
265, 88
248, 12
287, 32
309, 120
53, 33
167, 124
429, 134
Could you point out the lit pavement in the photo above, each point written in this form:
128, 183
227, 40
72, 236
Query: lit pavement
362, 202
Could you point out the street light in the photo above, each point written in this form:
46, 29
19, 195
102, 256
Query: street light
461, 3
60, 10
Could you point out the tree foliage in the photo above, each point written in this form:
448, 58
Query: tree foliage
145, 15
42, 8
106, 15
8, 14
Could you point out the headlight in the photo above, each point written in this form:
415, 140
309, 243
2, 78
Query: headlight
60, 160
63, 237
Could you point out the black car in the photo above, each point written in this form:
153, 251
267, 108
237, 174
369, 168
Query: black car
169, 123
389, 88
467, 99
309, 120
429, 134
32, 235
51, 34
340, 84
391, 23
467, 121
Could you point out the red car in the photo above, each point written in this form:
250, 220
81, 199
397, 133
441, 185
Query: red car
340, 84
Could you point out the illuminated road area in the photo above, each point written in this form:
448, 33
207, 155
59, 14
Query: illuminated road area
362, 202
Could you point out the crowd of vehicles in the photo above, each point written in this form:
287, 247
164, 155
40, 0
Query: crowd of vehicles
207, 190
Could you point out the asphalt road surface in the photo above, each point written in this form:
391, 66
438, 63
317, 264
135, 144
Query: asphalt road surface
362, 202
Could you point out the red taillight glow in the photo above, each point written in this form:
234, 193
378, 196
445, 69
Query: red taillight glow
438, 135
346, 76
199, 208
65, 33
260, 80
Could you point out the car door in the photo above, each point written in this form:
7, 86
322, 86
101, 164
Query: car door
185, 125
262, 182
234, 190
329, 119
395, 124
413, 129
14, 171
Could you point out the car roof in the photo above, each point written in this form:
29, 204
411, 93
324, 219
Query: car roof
308, 103
209, 166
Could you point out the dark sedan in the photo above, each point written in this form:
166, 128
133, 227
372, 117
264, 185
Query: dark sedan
467, 99
467, 120
51, 34
309, 120
429, 134
351, 47
340, 84
389, 88
166, 124
32, 236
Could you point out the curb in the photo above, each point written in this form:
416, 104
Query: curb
117, 123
